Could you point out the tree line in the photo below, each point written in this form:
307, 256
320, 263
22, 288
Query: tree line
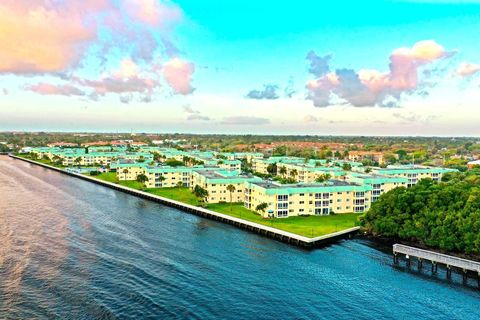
444, 215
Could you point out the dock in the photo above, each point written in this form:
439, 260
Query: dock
449, 262
274, 233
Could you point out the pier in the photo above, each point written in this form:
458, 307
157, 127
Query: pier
449, 262
277, 234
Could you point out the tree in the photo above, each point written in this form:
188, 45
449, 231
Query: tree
142, 178
173, 162
272, 169
200, 192
347, 166
231, 189
293, 173
323, 177
78, 160
125, 171
282, 170
261, 207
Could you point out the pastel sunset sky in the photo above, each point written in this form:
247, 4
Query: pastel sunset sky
261, 67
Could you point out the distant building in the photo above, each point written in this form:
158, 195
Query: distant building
360, 156
473, 164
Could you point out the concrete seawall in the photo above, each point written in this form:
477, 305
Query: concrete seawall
263, 230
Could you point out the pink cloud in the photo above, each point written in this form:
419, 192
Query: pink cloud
467, 69
50, 89
372, 87
45, 36
178, 74
153, 12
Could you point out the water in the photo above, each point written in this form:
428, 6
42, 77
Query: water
70, 249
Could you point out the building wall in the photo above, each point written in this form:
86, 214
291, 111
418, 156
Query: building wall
311, 203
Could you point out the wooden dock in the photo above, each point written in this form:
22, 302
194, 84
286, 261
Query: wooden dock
450, 262
277, 234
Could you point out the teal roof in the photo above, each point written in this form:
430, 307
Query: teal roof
330, 186
406, 170
364, 178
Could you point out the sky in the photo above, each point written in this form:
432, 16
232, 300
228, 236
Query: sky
248, 67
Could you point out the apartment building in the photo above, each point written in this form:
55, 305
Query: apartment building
128, 170
306, 173
235, 165
307, 198
359, 156
260, 165
413, 173
167, 177
216, 182
379, 183
242, 155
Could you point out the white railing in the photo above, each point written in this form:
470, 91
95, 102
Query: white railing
437, 257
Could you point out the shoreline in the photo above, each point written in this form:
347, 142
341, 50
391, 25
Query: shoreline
266, 231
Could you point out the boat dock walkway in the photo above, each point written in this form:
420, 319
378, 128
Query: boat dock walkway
261, 229
435, 258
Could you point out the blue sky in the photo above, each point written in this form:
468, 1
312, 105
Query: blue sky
207, 63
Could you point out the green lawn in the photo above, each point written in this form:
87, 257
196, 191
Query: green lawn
178, 194
112, 177
309, 226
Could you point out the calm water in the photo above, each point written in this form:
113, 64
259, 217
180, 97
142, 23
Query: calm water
70, 249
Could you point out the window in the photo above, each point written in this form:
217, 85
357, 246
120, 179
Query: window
318, 203
301, 194
302, 202
301, 210
282, 213
282, 197
282, 205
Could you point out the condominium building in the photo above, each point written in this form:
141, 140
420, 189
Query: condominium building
413, 173
359, 156
379, 183
306, 173
217, 181
306, 198
261, 165
165, 177
241, 155
128, 170
235, 165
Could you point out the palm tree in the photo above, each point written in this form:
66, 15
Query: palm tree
293, 173
261, 207
161, 179
282, 170
231, 189
142, 178
78, 160
125, 171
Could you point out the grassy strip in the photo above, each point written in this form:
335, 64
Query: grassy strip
308, 226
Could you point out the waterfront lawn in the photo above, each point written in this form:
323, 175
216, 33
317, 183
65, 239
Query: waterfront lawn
179, 194
112, 177
308, 226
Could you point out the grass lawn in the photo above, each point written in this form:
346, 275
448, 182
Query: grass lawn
308, 226
178, 194
112, 177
